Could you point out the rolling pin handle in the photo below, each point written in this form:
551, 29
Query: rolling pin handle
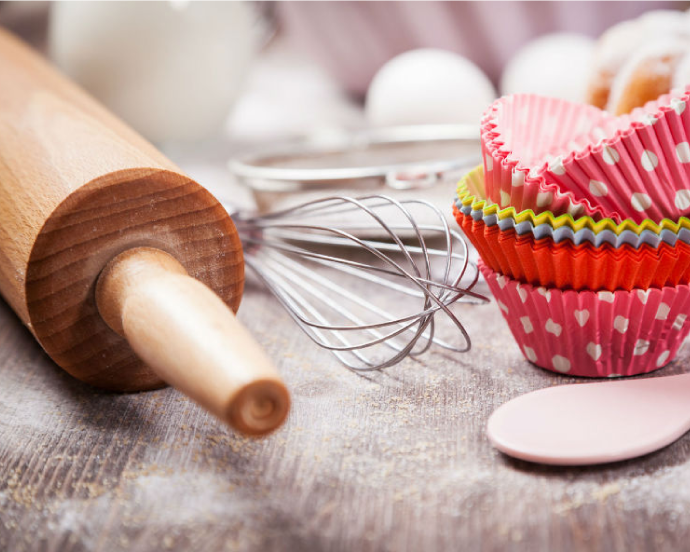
191, 339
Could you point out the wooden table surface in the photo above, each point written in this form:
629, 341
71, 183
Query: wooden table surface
397, 461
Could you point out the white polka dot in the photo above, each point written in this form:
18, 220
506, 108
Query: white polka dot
640, 201
606, 296
682, 200
679, 321
594, 350
648, 119
610, 155
641, 347
581, 316
678, 105
544, 293
530, 354
683, 152
501, 280
583, 125
598, 133
517, 179
561, 364
662, 312
505, 199
544, 199
598, 188
522, 293
643, 295
526, 324
556, 166
551, 125
553, 327
503, 307
620, 324
575, 211
649, 160
663, 358
488, 162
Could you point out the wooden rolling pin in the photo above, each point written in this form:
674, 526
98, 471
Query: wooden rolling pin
126, 271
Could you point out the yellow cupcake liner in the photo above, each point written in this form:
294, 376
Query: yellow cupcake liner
471, 191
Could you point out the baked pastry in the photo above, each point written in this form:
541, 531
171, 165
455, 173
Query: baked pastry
637, 61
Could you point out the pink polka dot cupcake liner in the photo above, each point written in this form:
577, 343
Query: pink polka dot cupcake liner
593, 334
547, 154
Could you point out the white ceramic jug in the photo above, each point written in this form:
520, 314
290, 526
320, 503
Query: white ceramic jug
170, 69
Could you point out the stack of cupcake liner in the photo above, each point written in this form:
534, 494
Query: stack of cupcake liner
580, 220
542, 253
547, 154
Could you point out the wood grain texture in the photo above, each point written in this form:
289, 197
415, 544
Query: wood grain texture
55, 138
98, 222
78, 187
396, 461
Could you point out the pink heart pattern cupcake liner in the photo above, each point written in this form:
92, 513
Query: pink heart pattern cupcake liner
547, 154
593, 334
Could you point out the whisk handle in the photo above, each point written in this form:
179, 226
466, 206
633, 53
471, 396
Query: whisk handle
191, 339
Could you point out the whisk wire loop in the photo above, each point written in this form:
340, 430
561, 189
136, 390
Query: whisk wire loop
351, 285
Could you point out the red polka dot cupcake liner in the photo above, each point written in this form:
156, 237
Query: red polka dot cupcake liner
593, 334
547, 154
542, 262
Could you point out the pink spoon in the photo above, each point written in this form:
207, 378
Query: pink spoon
593, 423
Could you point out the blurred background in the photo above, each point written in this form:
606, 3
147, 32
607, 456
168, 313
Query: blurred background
210, 81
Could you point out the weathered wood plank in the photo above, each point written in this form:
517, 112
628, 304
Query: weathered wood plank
397, 461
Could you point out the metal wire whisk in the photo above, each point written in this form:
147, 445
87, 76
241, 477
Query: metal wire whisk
358, 274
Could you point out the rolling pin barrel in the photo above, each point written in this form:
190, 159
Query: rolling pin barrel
126, 271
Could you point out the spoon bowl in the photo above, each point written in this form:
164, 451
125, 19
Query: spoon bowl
593, 423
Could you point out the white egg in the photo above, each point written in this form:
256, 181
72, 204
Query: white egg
428, 86
556, 65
